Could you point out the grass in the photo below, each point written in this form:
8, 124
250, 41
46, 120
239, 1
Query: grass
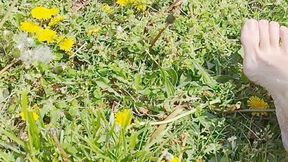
190, 74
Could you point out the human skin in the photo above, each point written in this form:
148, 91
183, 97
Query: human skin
266, 63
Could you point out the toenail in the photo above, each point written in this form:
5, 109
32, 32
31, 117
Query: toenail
251, 20
263, 21
274, 23
283, 28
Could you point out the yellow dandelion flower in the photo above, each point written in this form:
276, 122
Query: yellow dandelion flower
56, 20
94, 30
140, 5
42, 13
54, 11
66, 44
175, 159
46, 35
123, 118
257, 103
106, 9
29, 27
123, 2
34, 115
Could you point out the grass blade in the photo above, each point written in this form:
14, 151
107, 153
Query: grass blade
33, 132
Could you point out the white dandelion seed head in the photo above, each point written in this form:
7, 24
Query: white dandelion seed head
26, 56
42, 54
23, 41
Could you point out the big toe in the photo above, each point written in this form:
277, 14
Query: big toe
250, 34
250, 42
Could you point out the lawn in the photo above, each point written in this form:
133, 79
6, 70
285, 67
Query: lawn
132, 80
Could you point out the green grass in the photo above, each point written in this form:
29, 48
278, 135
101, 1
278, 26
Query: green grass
196, 64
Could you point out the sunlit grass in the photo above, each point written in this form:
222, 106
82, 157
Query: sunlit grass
139, 86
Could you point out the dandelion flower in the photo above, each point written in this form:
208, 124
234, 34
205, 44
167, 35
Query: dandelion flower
42, 13
94, 30
56, 20
123, 118
175, 159
46, 35
106, 9
123, 2
29, 27
257, 103
140, 5
54, 11
66, 44
34, 115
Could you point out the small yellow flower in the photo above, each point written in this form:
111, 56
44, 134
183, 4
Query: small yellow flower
56, 20
123, 2
94, 30
123, 118
257, 103
46, 35
140, 5
107, 9
66, 44
29, 27
175, 159
34, 115
42, 13
54, 11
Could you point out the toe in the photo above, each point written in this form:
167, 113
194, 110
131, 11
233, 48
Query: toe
284, 37
250, 42
274, 33
264, 33
250, 34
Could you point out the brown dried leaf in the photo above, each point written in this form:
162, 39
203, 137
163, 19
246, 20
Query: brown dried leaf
161, 128
79, 4
143, 111
175, 6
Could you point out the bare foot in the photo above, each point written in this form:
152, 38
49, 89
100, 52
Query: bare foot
266, 63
